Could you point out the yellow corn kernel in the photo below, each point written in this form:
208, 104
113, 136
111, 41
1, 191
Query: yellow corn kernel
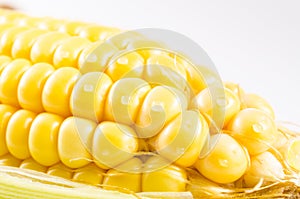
165, 76
195, 75
290, 152
97, 33
281, 140
29, 21
138, 43
169, 178
67, 53
126, 65
4, 61
255, 129
203, 102
182, 140
124, 100
60, 170
236, 89
8, 37
24, 41
89, 95
160, 106
44, 47
121, 41
33, 165
57, 90
9, 81
9, 160
17, 133
11, 16
6, 112
31, 86
43, 137
226, 162
255, 101
4, 27
74, 137
90, 174
48, 23
72, 27
264, 166
129, 179
165, 60
113, 144
96, 56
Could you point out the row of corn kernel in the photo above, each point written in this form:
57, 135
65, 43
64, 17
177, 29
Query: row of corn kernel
170, 178
252, 148
93, 32
61, 49
267, 133
45, 137
64, 91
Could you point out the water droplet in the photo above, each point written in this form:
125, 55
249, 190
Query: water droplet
223, 162
88, 88
258, 127
157, 107
122, 60
125, 100
221, 102
91, 58
180, 150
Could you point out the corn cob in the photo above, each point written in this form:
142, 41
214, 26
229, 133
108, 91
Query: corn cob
95, 116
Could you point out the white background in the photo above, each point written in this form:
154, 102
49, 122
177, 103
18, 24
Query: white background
255, 43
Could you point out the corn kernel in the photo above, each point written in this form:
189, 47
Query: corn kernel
90, 174
169, 178
182, 140
67, 53
126, 65
33, 165
124, 100
9, 160
8, 37
24, 41
96, 33
226, 162
264, 166
74, 137
57, 90
9, 81
255, 101
4, 61
166, 61
44, 47
6, 112
72, 27
96, 56
43, 137
60, 170
113, 144
127, 179
89, 95
254, 128
203, 102
158, 75
160, 106
31, 86
17, 133
291, 153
